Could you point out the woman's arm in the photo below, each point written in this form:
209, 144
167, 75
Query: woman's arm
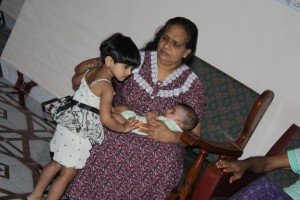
87, 64
80, 70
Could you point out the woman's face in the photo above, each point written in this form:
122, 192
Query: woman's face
172, 46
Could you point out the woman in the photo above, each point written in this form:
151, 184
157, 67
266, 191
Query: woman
130, 166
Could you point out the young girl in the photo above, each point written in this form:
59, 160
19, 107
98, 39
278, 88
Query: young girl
78, 123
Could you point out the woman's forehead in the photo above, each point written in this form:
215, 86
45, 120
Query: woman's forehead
176, 32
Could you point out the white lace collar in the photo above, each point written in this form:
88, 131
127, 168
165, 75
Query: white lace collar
172, 77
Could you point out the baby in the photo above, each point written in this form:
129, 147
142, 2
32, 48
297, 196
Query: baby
180, 118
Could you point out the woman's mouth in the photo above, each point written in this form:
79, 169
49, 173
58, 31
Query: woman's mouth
163, 53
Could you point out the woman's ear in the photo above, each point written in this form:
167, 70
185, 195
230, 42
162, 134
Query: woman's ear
109, 61
186, 53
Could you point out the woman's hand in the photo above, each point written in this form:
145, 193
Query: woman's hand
157, 130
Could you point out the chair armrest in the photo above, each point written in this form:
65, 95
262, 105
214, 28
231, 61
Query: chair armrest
194, 141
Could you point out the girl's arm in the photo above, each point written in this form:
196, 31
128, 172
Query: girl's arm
106, 116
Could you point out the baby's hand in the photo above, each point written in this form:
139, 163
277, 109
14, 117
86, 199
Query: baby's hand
131, 124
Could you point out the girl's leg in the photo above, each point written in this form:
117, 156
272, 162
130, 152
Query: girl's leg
61, 182
47, 175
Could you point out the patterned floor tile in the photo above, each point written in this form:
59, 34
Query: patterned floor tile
25, 132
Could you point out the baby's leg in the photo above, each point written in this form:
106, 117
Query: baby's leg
61, 182
47, 175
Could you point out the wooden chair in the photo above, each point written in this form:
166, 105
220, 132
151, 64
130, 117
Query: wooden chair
211, 179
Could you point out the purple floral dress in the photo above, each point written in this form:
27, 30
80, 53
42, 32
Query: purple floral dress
131, 166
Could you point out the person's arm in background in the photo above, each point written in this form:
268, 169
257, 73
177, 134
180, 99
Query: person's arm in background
258, 164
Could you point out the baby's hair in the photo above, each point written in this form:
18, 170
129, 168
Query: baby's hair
190, 120
122, 50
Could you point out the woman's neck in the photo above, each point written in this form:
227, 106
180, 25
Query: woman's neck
164, 71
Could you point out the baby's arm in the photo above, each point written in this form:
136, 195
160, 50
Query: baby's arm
119, 108
118, 117
116, 113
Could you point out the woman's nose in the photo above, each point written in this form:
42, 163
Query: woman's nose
167, 45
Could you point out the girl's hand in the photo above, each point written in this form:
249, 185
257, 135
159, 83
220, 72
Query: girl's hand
131, 124
235, 167
157, 130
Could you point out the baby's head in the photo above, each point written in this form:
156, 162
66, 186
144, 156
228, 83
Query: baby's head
184, 115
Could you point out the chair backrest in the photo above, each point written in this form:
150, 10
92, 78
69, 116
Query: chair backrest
228, 103
232, 113
256, 113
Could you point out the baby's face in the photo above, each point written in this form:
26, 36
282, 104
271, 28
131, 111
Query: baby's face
177, 113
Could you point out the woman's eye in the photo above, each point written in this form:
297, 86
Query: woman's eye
164, 37
176, 45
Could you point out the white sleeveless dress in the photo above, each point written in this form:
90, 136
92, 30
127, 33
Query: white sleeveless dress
78, 129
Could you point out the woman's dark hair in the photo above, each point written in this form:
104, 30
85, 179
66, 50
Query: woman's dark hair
189, 27
122, 50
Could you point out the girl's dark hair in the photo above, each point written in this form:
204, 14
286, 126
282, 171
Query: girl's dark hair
189, 27
122, 50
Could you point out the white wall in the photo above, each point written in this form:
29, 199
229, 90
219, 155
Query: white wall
254, 41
